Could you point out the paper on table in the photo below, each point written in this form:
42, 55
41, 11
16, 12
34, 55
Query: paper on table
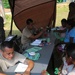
56, 28
21, 67
36, 42
9, 38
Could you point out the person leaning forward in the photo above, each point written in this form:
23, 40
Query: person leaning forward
27, 35
8, 58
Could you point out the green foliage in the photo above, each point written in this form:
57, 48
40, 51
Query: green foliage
6, 3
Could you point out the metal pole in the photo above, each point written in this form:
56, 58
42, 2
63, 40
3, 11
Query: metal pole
12, 4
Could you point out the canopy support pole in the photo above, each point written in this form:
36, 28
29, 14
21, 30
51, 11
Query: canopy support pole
13, 5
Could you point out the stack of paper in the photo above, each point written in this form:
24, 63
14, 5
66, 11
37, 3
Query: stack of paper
37, 42
21, 67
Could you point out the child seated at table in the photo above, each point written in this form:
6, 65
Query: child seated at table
69, 37
68, 67
60, 32
71, 52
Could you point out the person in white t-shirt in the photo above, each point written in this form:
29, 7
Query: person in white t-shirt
69, 60
71, 49
68, 67
9, 58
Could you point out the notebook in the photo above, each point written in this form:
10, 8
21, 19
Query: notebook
21, 67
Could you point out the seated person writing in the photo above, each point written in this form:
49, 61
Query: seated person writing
27, 35
72, 57
6, 74
8, 58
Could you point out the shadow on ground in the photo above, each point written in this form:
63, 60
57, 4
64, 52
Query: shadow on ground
55, 62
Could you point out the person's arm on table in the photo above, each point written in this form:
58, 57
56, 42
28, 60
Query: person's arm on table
28, 73
44, 72
38, 35
30, 66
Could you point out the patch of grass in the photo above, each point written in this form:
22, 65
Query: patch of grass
62, 12
7, 27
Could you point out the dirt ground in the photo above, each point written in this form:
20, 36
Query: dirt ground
7, 10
